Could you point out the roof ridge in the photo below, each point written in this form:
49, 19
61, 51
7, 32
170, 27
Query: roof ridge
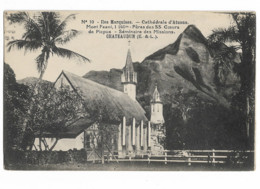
98, 84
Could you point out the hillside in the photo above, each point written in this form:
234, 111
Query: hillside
197, 91
187, 64
30, 81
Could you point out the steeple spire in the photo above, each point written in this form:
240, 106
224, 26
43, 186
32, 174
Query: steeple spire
129, 76
129, 64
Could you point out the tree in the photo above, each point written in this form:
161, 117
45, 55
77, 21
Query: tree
15, 106
53, 111
44, 31
242, 34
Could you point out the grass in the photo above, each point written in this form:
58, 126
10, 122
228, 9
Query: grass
128, 166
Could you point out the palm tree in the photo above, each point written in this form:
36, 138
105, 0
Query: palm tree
44, 31
242, 33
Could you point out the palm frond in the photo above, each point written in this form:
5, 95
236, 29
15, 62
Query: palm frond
224, 35
67, 36
59, 30
68, 54
48, 21
24, 18
27, 45
20, 17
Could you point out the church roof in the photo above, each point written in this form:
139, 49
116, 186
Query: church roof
129, 64
71, 131
156, 95
113, 104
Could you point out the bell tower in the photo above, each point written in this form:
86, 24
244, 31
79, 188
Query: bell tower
156, 108
129, 76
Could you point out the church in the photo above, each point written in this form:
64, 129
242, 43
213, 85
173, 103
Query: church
136, 134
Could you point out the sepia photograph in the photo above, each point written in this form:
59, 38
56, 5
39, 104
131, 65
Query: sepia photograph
129, 90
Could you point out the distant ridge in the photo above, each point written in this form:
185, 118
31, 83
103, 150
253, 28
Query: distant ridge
192, 31
30, 81
186, 64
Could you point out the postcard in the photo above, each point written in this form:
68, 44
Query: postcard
129, 90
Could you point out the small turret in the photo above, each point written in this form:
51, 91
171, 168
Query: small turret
156, 108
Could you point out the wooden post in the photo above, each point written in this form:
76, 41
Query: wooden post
165, 154
129, 157
142, 133
133, 132
189, 159
237, 157
124, 125
149, 134
213, 157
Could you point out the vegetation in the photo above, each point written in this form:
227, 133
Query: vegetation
194, 122
242, 36
15, 106
53, 110
44, 31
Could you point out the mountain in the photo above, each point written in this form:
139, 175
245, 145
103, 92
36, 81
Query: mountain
187, 64
111, 78
30, 81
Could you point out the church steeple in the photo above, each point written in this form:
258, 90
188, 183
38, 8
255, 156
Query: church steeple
156, 108
129, 64
129, 76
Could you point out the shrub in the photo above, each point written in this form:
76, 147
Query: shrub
44, 157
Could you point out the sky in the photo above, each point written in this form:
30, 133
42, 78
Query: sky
106, 53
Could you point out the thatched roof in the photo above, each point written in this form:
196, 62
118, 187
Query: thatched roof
113, 103
71, 131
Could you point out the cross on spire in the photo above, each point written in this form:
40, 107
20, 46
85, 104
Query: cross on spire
129, 43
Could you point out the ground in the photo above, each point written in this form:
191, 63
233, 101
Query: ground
127, 166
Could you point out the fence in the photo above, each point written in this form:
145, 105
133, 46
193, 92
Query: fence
188, 156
